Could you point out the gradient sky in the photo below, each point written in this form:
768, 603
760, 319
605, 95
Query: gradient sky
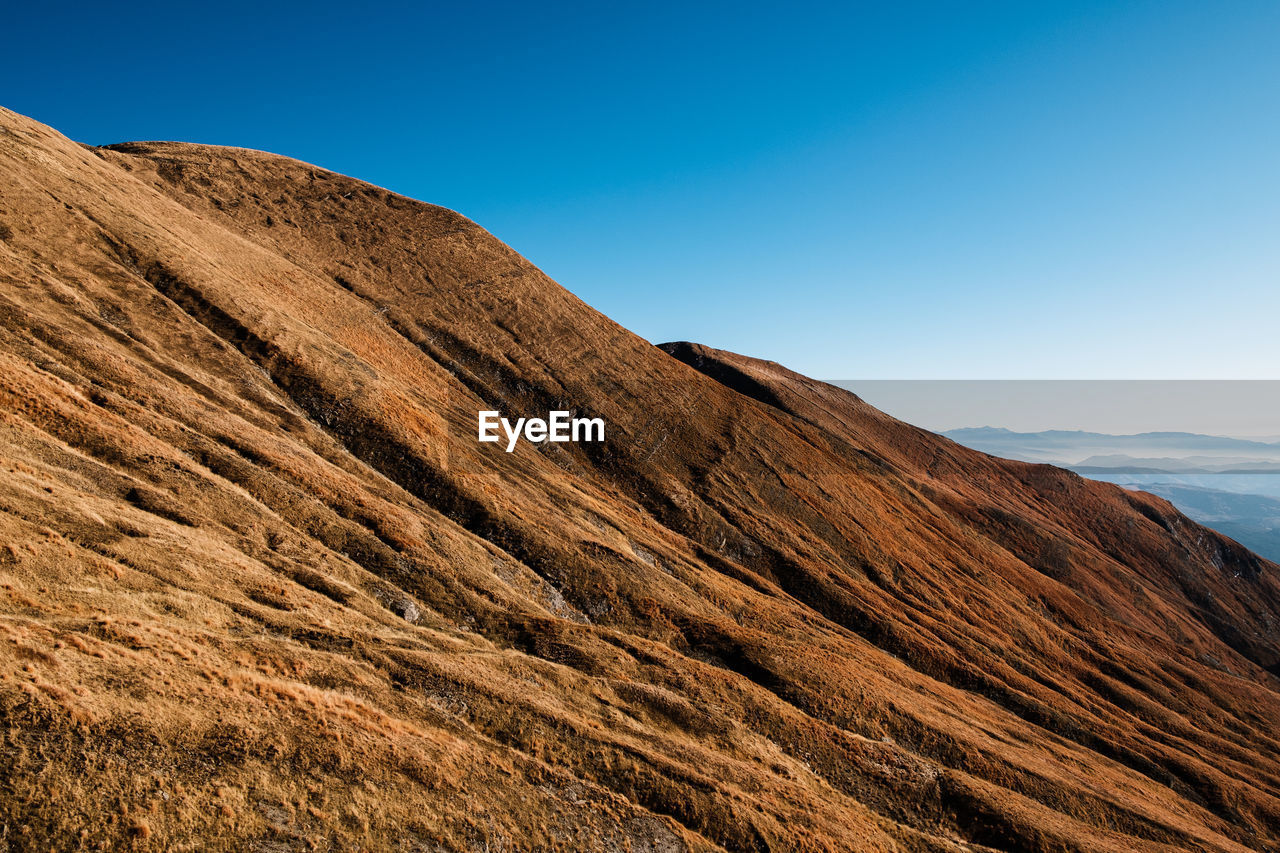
880, 190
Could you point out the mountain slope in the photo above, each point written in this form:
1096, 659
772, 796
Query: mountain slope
263, 587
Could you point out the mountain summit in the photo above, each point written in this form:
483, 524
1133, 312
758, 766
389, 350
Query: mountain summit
264, 589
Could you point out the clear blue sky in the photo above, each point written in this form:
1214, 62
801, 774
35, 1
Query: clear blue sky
880, 190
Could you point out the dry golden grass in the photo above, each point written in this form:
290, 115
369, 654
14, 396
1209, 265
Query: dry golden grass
260, 589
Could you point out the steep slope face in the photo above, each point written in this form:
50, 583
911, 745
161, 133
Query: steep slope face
262, 586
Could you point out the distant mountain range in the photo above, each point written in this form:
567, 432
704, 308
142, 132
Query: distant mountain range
1178, 451
1171, 465
1229, 484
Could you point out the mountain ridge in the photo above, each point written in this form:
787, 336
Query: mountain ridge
263, 585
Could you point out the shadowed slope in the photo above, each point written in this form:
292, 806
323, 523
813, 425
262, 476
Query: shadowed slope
263, 584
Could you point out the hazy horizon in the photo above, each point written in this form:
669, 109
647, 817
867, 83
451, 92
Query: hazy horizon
1230, 408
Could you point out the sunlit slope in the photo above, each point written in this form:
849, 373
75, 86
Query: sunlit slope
262, 584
